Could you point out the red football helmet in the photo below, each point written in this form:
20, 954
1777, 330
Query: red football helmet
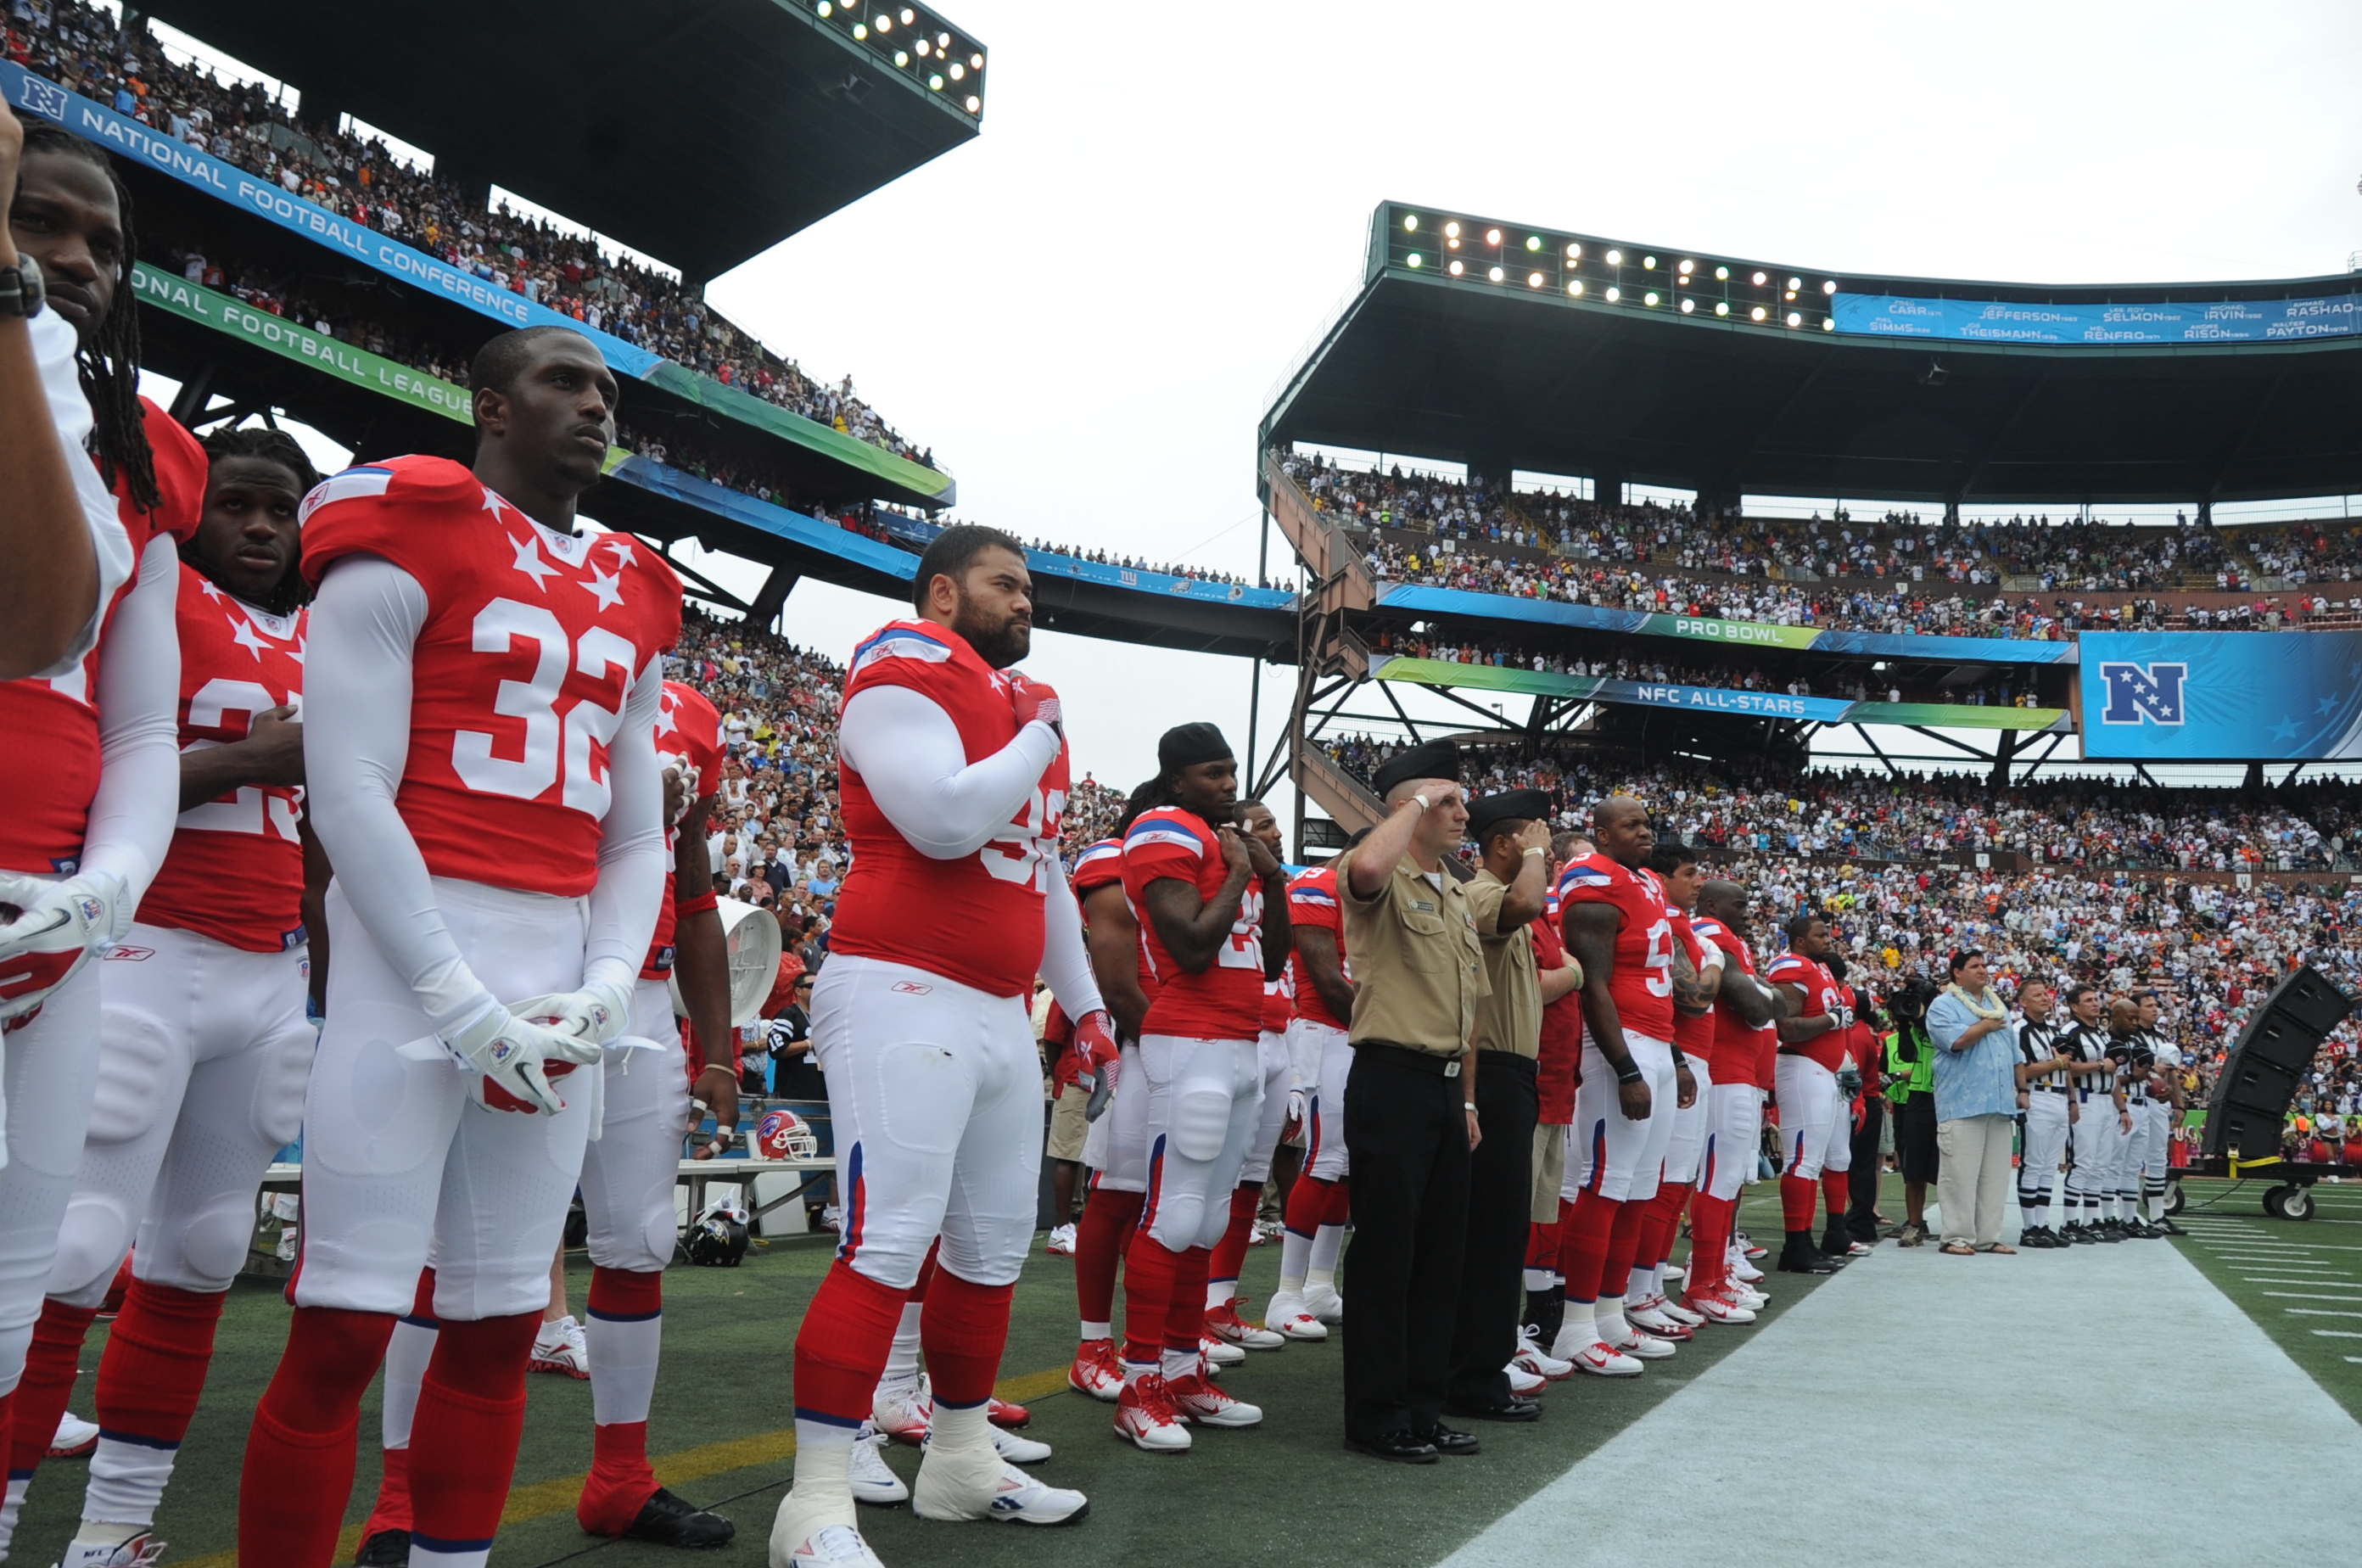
784, 1135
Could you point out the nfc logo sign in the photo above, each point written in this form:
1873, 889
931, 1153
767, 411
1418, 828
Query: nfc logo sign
2143, 693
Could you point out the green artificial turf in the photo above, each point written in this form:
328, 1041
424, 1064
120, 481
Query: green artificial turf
2301, 1281
1287, 1490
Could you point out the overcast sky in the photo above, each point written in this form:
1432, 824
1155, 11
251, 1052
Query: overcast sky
1085, 310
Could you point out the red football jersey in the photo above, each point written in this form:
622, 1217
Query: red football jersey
1695, 1035
1641, 983
976, 921
236, 868
1101, 865
1830, 1047
1312, 900
1278, 1003
1745, 1052
49, 786
1561, 1063
1225, 1001
531, 644
688, 735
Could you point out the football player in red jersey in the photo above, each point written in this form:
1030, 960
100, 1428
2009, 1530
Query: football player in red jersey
1745, 1013
1612, 909
1307, 1301
1116, 1149
1558, 1066
1222, 1298
482, 681
204, 1046
1815, 1133
953, 779
91, 808
1212, 903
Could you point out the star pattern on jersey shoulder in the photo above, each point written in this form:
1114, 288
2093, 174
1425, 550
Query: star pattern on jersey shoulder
528, 560
624, 554
242, 632
205, 586
605, 587
493, 502
667, 715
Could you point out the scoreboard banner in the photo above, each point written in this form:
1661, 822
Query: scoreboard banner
1728, 634
2222, 696
2100, 323
1714, 699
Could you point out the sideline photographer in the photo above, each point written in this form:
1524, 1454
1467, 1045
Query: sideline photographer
1910, 1080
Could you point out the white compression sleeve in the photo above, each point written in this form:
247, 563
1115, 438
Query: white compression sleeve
365, 622
1066, 959
623, 905
908, 752
53, 354
138, 699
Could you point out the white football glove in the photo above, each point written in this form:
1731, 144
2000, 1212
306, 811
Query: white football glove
600, 1011
516, 1056
1295, 1105
58, 926
1844, 1015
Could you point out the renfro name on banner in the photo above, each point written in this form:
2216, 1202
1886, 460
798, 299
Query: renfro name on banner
2222, 696
2101, 324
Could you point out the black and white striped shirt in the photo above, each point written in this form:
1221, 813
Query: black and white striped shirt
2089, 1042
2040, 1042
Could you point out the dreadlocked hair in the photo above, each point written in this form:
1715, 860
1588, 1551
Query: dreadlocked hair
109, 367
261, 442
1145, 797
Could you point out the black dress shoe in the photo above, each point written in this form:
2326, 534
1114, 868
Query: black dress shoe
1510, 1410
1456, 1445
2081, 1236
1403, 1446
2173, 1229
667, 1520
386, 1549
1806, 1260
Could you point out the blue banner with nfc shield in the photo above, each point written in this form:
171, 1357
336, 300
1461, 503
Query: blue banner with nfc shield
2100, 323
2222, 696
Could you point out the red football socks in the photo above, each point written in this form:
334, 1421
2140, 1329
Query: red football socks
1109, 1219
391, 1509
843, 1344
1710, 1221
1835, 1188
962, 1331
463, 1445
1623, 1246
1340, 1204
626, 1310
154, 1369
1230, 1252
1308, 1205
1583, 1246
1151, 1270
299, 1455
1185, 1319
1664, 1221
51, 1363
1796, 1198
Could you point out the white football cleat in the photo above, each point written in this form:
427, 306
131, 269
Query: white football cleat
1603, 1360
561, 1348
1324, 1303
902, 1410
141, 1551
1655, 1320
1287, 1315
1144, 1415
872, 1483
1028, 1501
1216, 1352
1753, 1301
1675, 1273
1208, 1404
75, 1437
1541, 1362
1097, 1371
1019, 1450
1224, 1323
1676, 1312
1745, 1244
1525, 1385
1744, 1273
1640, 1346
1061, 1243
834, 1546
1716, 1309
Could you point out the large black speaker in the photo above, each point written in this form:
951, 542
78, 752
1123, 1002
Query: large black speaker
2259, 1081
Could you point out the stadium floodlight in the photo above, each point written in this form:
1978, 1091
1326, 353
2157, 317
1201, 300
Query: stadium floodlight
975, 63
1410, 224
1722, 307
1722, 274
1688, 305
1533, 279
1414, 259
924, 47
1794, 319
1533, 242
1451, 230
975, 105
1795, 282
1616, 259
1492, 237
1575, 252
1829, 324
958, 70
1497, 274
1759, 280
1650, 298
1792, 293
943, 40
1613, 294
885, 23
825, 9
1686, 267
1648, 262
860, 32
1451, 245
901, 60
935, 81
1830, 287
909, 15
1574, 289
1456, 269
1758, 312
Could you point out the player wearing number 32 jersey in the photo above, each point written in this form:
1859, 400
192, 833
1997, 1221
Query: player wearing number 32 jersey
954, 774
482, 685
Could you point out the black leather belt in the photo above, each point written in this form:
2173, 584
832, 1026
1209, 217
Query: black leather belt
1404, 1056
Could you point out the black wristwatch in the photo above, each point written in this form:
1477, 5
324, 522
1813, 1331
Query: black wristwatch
21, 292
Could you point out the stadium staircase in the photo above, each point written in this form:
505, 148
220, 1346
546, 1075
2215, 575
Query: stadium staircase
1329, 652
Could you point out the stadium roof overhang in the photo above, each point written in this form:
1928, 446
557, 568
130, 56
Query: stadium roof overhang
1938, 390
700, 133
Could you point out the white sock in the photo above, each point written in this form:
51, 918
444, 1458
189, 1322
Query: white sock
406, 1355
902, 1361
1220, 1291
957, 1428
1608, 1314
823, 1483
624, 1352
127, 1482
1539, 1279
1575, 1330
1326, 1244
1295, 1257
425, 1556
1133, 1371
95, 1532
1093, 1332
1178, 1363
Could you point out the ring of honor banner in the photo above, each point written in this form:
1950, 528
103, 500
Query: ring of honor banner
2222, 696
2101, 322
1713, 699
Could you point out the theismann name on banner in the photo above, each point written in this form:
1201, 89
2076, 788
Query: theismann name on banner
2100, 323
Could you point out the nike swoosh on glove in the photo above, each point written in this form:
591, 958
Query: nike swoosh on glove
58, 926
600, 1011
1095, 1039
518, 1057
1033, 699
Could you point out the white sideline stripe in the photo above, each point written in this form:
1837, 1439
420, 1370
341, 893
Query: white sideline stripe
2318, 1312
2267, 1279
1800, 1371
2302, 1296
2339, 1333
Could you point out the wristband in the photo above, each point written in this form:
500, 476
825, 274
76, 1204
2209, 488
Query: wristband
1469, 1106
1630, 1076
1538, 849
1420, 797
704, 903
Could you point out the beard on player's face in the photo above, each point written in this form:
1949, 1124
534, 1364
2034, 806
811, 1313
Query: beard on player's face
999, 637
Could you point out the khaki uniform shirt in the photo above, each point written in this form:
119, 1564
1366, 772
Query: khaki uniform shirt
1511, 1018
1418, 968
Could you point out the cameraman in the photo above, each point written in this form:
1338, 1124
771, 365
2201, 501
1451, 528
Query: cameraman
1911, 1089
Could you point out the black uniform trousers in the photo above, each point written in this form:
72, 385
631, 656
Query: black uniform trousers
1861, 1192
1407, 1143
1500, 1200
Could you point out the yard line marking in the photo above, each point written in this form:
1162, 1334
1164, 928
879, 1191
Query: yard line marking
2338, 1333
2303, 1295
2318, 1312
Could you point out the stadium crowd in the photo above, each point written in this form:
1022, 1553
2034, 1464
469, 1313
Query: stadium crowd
82, 47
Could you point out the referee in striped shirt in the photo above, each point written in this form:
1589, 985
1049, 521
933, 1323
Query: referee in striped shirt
2047, 1099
